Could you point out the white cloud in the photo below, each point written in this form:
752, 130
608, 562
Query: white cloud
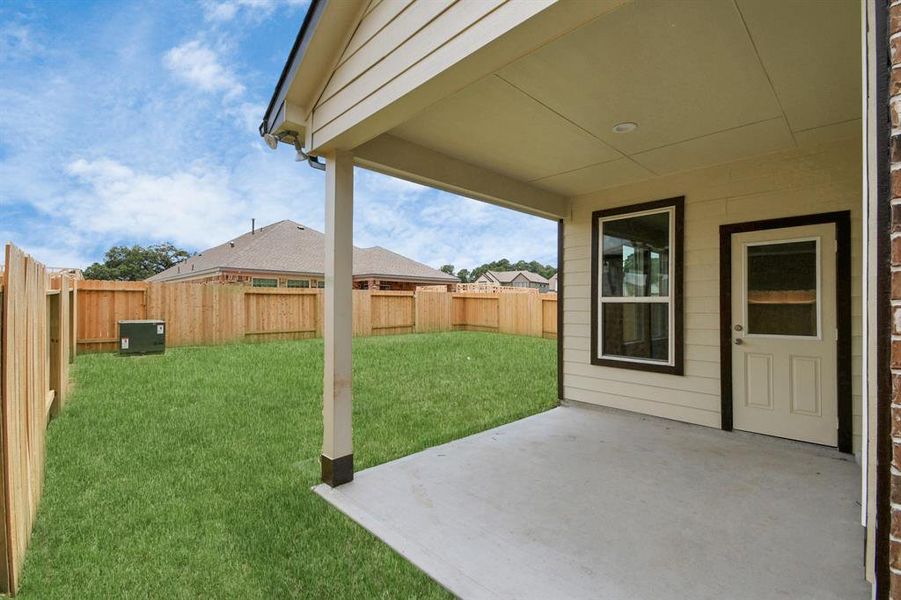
119, 157
16, 42
439, 228
226, 10
197, 207
247, 115
57, 257
198, 65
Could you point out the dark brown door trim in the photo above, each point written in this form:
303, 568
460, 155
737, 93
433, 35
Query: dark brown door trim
842, 221
883, 315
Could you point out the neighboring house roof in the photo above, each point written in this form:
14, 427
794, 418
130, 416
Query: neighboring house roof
289, 247
380, 261
508, 276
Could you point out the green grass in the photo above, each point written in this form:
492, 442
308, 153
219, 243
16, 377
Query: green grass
188, 475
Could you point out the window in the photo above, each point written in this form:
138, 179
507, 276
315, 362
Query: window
637, 286
320, 284
298, 283
257, 282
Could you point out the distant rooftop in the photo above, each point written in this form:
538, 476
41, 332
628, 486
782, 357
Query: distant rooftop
290, 247
509, 276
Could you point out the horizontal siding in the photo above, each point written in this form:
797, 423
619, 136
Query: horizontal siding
804, 181
415, 33
378, 15
648, 406
424, 53
373, 43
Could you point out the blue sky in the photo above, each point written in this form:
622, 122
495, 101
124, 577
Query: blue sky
136, 122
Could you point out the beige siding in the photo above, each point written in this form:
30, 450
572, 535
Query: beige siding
379, 14
380, 34
400, 44
811, 180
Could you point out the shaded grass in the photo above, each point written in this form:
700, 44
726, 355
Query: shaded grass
187, 475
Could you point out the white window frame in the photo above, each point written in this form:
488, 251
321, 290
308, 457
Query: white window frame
669, 299
819, 289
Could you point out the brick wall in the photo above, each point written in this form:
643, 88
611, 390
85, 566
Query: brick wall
894, 31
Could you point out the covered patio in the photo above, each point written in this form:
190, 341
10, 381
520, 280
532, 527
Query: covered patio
598, 503
710, 168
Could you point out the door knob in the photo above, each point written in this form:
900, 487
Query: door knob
738, 327
739, 342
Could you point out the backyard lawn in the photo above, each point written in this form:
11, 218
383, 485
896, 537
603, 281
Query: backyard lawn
188, 475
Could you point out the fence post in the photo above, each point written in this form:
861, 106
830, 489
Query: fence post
6, 584
54, 333
73, 319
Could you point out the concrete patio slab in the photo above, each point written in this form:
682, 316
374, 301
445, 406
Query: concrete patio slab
585, 503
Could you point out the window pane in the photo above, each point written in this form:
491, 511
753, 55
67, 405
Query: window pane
265, 282
636, 256
298, 283
636, 330
782, 288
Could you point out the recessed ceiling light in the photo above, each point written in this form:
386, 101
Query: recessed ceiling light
625, 127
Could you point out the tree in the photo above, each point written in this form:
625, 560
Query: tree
449, 269
121, 263
463, 275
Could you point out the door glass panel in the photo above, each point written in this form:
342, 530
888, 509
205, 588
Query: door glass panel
636, 330
782, 288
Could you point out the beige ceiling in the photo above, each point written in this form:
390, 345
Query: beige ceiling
707, 82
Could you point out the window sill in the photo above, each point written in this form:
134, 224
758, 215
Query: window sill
638, 366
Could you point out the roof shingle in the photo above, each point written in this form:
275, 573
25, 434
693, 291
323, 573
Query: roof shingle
289, 247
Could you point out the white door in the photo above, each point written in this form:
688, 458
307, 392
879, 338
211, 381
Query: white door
784, 337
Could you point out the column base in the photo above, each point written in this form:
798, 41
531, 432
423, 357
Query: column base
336, 471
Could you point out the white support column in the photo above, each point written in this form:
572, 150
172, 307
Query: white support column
337, 444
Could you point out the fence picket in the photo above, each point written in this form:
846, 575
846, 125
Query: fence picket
206, 314
35, 346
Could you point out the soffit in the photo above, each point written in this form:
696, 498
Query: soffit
811, 53
708, 82
495, 125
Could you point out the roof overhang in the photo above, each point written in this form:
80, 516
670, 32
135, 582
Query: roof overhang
522, 107
394, 156
322, 34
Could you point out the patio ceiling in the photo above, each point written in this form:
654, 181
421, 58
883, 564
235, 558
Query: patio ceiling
707, 83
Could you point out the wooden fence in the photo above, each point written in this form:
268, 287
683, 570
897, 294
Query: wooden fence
37, 335
45, 318
205, 314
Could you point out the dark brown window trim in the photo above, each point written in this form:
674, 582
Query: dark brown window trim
678, 204
842, 221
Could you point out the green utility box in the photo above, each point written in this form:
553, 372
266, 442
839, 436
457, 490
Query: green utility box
142, 337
